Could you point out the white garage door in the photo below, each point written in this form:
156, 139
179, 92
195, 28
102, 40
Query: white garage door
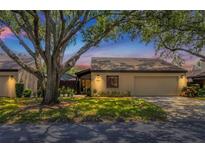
155, 86
4, 86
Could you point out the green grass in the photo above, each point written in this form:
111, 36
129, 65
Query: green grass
79, 110
200, 98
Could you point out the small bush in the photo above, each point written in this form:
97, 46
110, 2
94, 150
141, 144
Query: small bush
63, 90
39, 93
115, 94
95, 92
128, 93
88, 92
201, 92
70, 92
27, 93
190, 91
19, 89
66, 92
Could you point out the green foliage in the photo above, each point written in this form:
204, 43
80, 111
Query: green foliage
115, 94
63, 90
95, 92
201, 92
39, 93
74, 70
67, 92
172, 32
27, 93
88, 92
79, 110
70, 92
19, 89
190, 91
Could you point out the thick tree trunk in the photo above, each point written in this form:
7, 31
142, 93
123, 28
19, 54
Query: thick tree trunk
52, 86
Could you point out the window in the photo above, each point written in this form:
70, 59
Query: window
112, 81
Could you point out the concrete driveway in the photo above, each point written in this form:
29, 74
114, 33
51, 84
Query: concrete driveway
186, 123
180, 108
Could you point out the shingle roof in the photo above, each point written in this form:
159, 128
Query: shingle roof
133, 64
197, 74
7, 63
66, 77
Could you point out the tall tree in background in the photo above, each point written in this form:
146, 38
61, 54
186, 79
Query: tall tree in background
51, 32
173, 32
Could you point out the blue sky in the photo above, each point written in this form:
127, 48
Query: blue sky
121, 48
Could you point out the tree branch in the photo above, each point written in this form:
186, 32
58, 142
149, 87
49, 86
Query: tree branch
71, 62
18, 60
21, 41
181, 49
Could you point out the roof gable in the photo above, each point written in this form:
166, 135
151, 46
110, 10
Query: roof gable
133, 64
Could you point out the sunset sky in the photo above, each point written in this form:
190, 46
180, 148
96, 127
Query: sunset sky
122, 48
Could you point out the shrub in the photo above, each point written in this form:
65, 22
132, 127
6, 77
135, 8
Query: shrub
201, 92
88, 92
66, 92
115, 94
19, 89
108, 93
39, 93
70, 92
190, 91
128, 93
94, 92
27, 93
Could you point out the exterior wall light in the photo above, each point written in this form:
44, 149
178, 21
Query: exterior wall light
182, 76
98, 77
11, 76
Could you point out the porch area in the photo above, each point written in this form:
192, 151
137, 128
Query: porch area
84, 82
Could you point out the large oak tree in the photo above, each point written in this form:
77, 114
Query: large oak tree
45, 35
174, 33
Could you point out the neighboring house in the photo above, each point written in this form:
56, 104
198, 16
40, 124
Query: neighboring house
68, 80
11, 73
197, 76
139, 76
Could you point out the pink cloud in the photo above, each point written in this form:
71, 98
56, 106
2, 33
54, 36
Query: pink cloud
5, 33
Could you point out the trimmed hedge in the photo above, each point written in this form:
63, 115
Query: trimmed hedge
19, 89
27, 93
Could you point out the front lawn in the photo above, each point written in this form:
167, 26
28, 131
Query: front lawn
200, 98
79, 110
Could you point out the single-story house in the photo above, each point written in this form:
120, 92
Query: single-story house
197, 76
11, 73
138, 76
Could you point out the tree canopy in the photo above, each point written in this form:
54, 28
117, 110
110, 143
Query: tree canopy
173, 32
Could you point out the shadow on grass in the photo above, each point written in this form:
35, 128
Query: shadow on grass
81, 110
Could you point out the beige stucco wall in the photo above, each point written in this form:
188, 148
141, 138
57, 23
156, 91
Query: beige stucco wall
127, 81
29, 80
8, 81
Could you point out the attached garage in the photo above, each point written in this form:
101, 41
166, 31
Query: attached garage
8, 80
156, 85
3, 83
135, 76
